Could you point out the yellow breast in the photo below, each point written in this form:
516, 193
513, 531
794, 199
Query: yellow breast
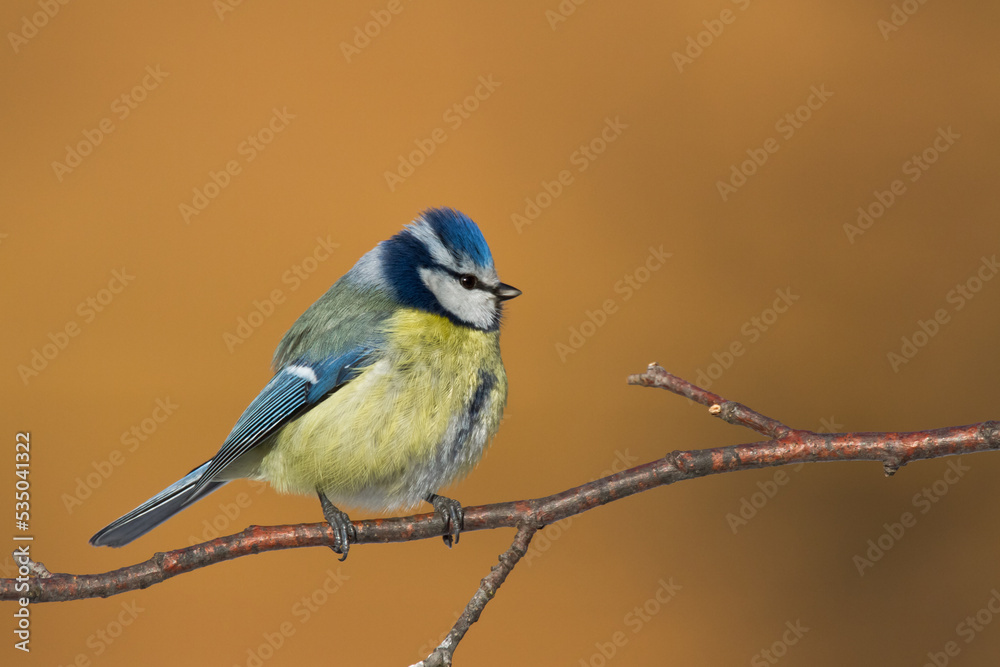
411, 422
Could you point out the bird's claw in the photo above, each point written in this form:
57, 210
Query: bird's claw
344, 531
454, 516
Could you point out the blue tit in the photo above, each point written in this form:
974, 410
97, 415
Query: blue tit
387, 388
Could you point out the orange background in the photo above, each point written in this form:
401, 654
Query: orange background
570, 415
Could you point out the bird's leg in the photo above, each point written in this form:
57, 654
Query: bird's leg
451, 511
343, 529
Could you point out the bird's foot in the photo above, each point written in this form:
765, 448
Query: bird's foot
343, 530
451, 511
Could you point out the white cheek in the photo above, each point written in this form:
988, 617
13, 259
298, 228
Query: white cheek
473, 306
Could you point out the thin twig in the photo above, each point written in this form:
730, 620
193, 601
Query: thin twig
442, 655
728, 411
31, 567
893, 450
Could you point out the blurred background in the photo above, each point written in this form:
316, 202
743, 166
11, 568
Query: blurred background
791, 203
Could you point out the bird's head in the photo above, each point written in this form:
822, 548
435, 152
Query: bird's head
441, 263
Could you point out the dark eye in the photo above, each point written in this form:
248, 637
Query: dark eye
468, 281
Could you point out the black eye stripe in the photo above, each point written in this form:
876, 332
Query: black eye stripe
480, 285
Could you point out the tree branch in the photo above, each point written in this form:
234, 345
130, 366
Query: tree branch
728, 411
785, 446
442, 655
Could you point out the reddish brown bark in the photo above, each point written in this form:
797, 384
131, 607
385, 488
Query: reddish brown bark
784, 446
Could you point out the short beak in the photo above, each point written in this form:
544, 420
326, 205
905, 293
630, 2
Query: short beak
505, 291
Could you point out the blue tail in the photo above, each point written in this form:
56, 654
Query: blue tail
156, 510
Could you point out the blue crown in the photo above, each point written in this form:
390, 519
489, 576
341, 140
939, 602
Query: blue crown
460, 235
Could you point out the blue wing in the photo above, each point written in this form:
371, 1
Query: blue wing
296, 388
293, 390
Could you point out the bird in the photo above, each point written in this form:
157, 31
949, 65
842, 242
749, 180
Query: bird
386, 389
